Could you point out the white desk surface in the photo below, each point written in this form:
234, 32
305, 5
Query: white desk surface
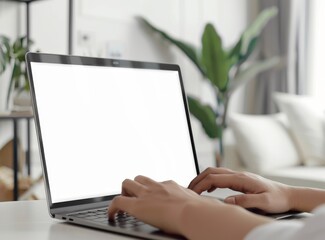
29, 220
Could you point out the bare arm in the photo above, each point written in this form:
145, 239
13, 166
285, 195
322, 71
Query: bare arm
306, 199
258, 192
211, 221
178, 210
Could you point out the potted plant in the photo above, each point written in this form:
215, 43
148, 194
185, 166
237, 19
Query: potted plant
12, 55
225, 69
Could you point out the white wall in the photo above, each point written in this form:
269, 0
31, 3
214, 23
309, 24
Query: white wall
49, 25
9, 26
112, 30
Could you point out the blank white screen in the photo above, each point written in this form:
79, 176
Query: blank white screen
101, 125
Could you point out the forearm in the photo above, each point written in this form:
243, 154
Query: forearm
211, 220
306, 199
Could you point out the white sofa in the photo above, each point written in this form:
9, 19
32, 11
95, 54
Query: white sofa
299, 175
288, 147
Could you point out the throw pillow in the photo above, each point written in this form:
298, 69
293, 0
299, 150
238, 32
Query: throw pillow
264, 142
306, 117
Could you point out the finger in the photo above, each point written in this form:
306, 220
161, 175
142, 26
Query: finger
145, 180
132, 188
211, 181
232, 181
208, 171
121, 203
249, 201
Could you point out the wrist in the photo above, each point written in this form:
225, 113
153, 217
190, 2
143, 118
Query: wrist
306, 199
193, 217
292, 198
187, 218
298, 197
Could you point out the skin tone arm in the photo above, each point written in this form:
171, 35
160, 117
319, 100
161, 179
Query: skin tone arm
175, 209
178, 210
259, 192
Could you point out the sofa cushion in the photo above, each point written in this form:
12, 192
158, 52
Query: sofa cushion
231, 158
307, 121
263, 142
299, 176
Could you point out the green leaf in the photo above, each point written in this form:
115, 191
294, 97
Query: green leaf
243, 57
250, 72
254, 30
206, 116
4, 53
190, 51
248, 41
16, 73
21, 44
26, 86
234, 53
18, 44
3, 62
20, 54
214, 58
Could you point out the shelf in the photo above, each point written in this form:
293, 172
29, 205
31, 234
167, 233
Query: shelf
22, 1
70, 17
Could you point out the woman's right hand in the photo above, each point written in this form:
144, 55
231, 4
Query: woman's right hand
259, 192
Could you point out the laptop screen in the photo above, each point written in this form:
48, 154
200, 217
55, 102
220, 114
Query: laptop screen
102, 124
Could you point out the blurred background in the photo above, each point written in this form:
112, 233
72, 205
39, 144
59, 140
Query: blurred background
278, 52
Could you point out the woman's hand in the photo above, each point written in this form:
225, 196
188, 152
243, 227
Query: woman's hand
178, 210
159, 204
258, 192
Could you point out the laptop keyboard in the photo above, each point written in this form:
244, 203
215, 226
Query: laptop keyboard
100, 215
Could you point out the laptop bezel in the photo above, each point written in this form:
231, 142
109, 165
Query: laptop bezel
89, 61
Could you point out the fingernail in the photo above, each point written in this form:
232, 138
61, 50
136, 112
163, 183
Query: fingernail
230, 200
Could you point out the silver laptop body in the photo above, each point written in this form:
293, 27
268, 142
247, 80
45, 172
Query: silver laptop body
100, 121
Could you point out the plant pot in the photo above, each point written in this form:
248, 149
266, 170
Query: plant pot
22, 101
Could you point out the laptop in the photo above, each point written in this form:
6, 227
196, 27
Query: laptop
100, 121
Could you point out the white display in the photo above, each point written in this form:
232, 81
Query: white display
101, 125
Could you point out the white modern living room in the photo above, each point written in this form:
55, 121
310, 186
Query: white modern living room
251, 74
